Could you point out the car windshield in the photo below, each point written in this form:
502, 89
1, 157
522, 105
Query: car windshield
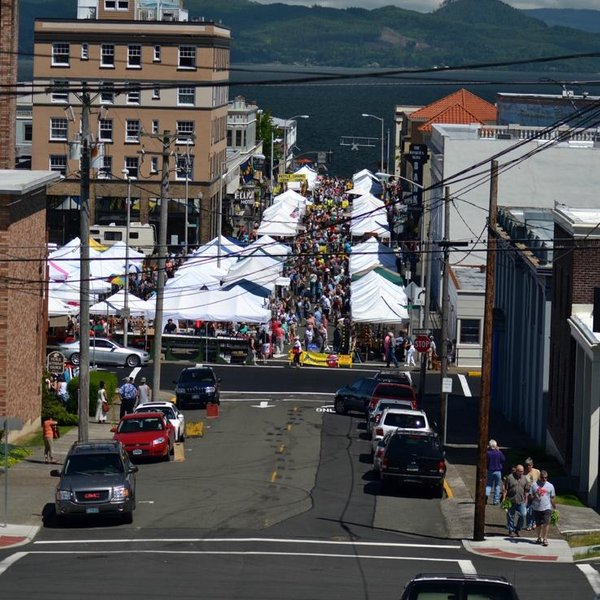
393, 391
196, 376
425, 446
473, 590
404, 420
137, 425
165, 410
93, 464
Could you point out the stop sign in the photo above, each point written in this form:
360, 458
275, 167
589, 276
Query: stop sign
422, 343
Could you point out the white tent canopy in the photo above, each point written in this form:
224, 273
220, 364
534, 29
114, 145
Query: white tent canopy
267, 245
311, 178
260, 269
116, 303
58, 308
371, 254
196, 278
68, 291
374, 299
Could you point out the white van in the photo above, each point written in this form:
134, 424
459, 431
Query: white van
141, 236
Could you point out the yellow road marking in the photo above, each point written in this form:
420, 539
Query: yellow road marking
289, 427
448, 490
281, 449
273, 476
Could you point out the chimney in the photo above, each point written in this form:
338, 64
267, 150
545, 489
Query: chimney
9, 30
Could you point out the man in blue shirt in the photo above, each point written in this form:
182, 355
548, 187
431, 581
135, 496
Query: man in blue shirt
128, 393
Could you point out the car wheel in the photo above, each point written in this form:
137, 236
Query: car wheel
167, 456
133, 361
340, 407
128, 517
182, 436
75, 358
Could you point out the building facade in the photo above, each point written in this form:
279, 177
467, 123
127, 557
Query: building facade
158, 98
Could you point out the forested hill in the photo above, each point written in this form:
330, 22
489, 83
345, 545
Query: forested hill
462, 32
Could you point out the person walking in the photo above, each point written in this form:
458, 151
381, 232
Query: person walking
516, 490
101, 399
532, 474
543, 502
128, 393
144, 392
49, 427
495, 465
389, 347
296, 351
410, 355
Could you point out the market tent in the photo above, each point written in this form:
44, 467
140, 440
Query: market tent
290, 196
263, 270
235, 304
267, 245
196, 278
58, 308
116, 303
283, 218
374, 299
371, 254
364, 182
68, 291
209, 252
118, 252
311, 178
279, 228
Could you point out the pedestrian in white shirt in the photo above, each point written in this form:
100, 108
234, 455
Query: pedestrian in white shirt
144, 392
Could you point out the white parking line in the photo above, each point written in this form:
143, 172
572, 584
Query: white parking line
465, 386
135, 372
467, 567
11, 560
592, 576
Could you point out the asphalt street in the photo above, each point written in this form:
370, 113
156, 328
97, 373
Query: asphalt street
276, 500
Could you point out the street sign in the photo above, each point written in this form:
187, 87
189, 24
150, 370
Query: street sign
447, 385
55, 363
422, 343
287, 177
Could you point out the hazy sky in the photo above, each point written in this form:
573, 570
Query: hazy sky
429, 5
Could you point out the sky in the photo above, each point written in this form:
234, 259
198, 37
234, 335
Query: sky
430, 5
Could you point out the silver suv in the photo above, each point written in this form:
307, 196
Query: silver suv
97, 479
458, 587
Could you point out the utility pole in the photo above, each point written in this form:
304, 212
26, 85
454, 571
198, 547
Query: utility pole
84, 284
486, 372
445, 302
167, 140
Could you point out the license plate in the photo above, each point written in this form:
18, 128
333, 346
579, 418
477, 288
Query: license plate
412, 469
92, 511
195, 396
136, 452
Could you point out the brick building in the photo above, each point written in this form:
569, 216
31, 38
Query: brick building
148, 70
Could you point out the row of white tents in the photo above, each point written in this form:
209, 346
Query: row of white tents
224, 281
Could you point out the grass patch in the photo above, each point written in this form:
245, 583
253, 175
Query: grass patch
15, 454
577, 540
569, 499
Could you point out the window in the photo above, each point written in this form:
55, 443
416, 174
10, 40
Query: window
238, 138
132, 127
156, 93
58, 129
186, 96
107, 94
85, 51
133, 95
60, 55
59, 91
154, 164
183, 161
187, 57
107, 56
134, 56
105, 130
58, 162
155, 126
156, 57
105, 171
185, 132
470, 331
116, 4
28, 132
131, 164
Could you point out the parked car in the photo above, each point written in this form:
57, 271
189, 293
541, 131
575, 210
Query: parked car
197, 386
413, 457
146, 435
107, 352
395, 418
393, 391
171, 412
395, 376
380, 451
458, 587
97, 479
373, 415
356, 396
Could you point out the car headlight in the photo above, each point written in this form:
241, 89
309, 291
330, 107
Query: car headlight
210, 389
179, 390
120, 492
63, 494
157, 441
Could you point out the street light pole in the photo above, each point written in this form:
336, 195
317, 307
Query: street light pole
382, 135
127, 227
220, 215
187, 179
285, 138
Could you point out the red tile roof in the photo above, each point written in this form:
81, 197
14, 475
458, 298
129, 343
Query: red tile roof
461, 107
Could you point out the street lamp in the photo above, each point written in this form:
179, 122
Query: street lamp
187, 179
126, 303
278, 140
285, 137
382, 134
220, 211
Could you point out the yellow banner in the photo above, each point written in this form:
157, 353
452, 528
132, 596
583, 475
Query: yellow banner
285, 177
323, 359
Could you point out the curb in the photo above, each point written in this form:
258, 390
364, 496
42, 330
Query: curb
12, 536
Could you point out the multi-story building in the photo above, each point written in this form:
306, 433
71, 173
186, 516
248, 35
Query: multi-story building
158, 89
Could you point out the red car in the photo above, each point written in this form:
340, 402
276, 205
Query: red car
403, 394
146, 434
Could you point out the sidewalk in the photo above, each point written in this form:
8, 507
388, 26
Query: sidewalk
31, 489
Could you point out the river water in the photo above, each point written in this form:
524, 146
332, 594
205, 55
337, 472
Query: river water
335, 107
